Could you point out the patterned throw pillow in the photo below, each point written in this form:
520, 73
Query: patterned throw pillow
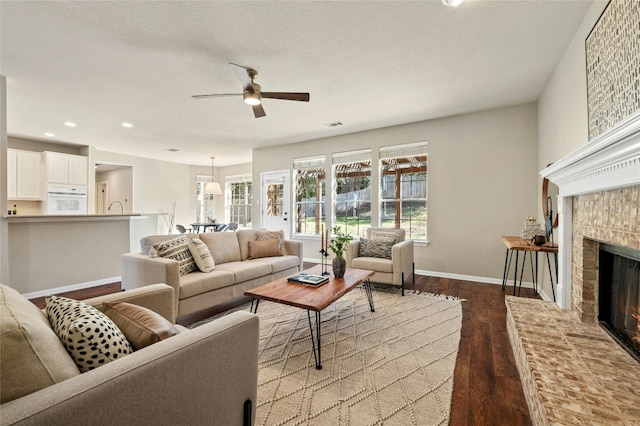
201, 255
272, 235
258, 249
178, 250
384, 236
375, 248
89, 336
141, 326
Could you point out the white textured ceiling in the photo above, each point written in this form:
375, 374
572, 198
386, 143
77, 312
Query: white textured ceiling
367, 64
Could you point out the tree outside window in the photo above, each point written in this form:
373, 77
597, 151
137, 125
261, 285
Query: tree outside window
310, 195
204, 202
403, 191
239, 200
352, 205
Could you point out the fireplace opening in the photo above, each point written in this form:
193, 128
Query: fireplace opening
619, 295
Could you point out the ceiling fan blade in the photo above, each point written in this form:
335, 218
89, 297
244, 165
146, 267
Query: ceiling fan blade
302, 97
258, 111
243, 75
216, 95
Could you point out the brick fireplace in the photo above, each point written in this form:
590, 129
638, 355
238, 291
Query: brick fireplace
572, 371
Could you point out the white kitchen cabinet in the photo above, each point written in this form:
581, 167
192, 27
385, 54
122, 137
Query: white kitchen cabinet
24, 175
78, 170
66, 168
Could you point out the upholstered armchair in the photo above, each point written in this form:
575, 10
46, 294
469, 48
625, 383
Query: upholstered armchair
386, 252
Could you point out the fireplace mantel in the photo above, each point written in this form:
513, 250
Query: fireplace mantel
608, 162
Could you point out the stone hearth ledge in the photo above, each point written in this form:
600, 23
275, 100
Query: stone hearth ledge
571, 372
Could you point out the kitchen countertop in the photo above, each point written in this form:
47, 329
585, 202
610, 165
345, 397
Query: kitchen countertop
69, 218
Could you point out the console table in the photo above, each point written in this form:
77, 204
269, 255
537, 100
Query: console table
517, 245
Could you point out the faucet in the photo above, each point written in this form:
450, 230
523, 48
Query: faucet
121, 206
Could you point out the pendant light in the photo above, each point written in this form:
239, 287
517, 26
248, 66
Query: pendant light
212, 187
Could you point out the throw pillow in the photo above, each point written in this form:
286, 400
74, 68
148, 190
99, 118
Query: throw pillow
375, 248
178, 250
87, 334
258, 249
141, 326
272, 235
384, 235
33, 357
201, 255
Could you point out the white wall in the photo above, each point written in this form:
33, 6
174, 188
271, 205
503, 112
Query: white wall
4, 230
562, 108
482, 183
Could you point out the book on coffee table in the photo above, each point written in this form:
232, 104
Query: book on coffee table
308, 279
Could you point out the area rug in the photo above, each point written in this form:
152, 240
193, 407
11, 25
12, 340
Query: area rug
393, 366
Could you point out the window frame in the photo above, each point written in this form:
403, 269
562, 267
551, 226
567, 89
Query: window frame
313, 168
246, 182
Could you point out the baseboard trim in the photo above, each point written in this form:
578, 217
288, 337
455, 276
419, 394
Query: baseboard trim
73, 287
485, 280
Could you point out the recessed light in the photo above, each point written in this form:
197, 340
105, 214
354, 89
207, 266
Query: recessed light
49, 135
127, 125
70, 124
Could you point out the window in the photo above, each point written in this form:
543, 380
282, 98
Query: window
310, 195
403, 188
239, 199
352, 191
204, 202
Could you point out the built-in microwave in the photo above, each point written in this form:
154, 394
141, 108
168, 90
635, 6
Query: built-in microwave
66, 199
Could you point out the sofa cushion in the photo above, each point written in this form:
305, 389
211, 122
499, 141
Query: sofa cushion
247, 270
89, 336
33, 357
372, 264
141, 326
244, 236
201, 255
222, 245
200, 282
272, 235
178, 250
268, 248
375, 248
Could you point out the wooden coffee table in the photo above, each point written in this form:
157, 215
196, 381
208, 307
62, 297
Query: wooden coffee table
313, 298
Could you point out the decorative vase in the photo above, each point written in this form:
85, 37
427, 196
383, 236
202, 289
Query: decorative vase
339, 266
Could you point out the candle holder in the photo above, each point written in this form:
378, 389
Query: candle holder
324, 254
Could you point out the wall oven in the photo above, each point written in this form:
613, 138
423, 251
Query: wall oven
66, 200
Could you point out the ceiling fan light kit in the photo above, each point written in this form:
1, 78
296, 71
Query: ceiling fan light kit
252, 93
452, 3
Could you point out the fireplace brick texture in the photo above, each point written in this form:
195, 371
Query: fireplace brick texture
611, 217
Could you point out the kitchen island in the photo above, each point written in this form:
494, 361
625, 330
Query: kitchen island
55, 253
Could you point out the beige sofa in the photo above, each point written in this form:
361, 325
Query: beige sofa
234, 272
200, 376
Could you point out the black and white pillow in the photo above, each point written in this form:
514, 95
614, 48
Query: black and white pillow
178, 250
89, 336
375, 248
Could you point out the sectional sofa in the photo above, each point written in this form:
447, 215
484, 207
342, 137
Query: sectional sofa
207, 375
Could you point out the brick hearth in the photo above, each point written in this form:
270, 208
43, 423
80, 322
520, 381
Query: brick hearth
572, 372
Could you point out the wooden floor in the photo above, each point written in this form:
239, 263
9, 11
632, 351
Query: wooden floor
487, 389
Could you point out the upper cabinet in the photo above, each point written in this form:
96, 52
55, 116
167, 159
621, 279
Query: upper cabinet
24, 175
66, 168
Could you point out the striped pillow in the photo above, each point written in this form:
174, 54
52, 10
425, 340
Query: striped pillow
375, 248
178, 250
201, 255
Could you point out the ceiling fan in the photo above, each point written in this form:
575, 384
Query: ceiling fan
252, 93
